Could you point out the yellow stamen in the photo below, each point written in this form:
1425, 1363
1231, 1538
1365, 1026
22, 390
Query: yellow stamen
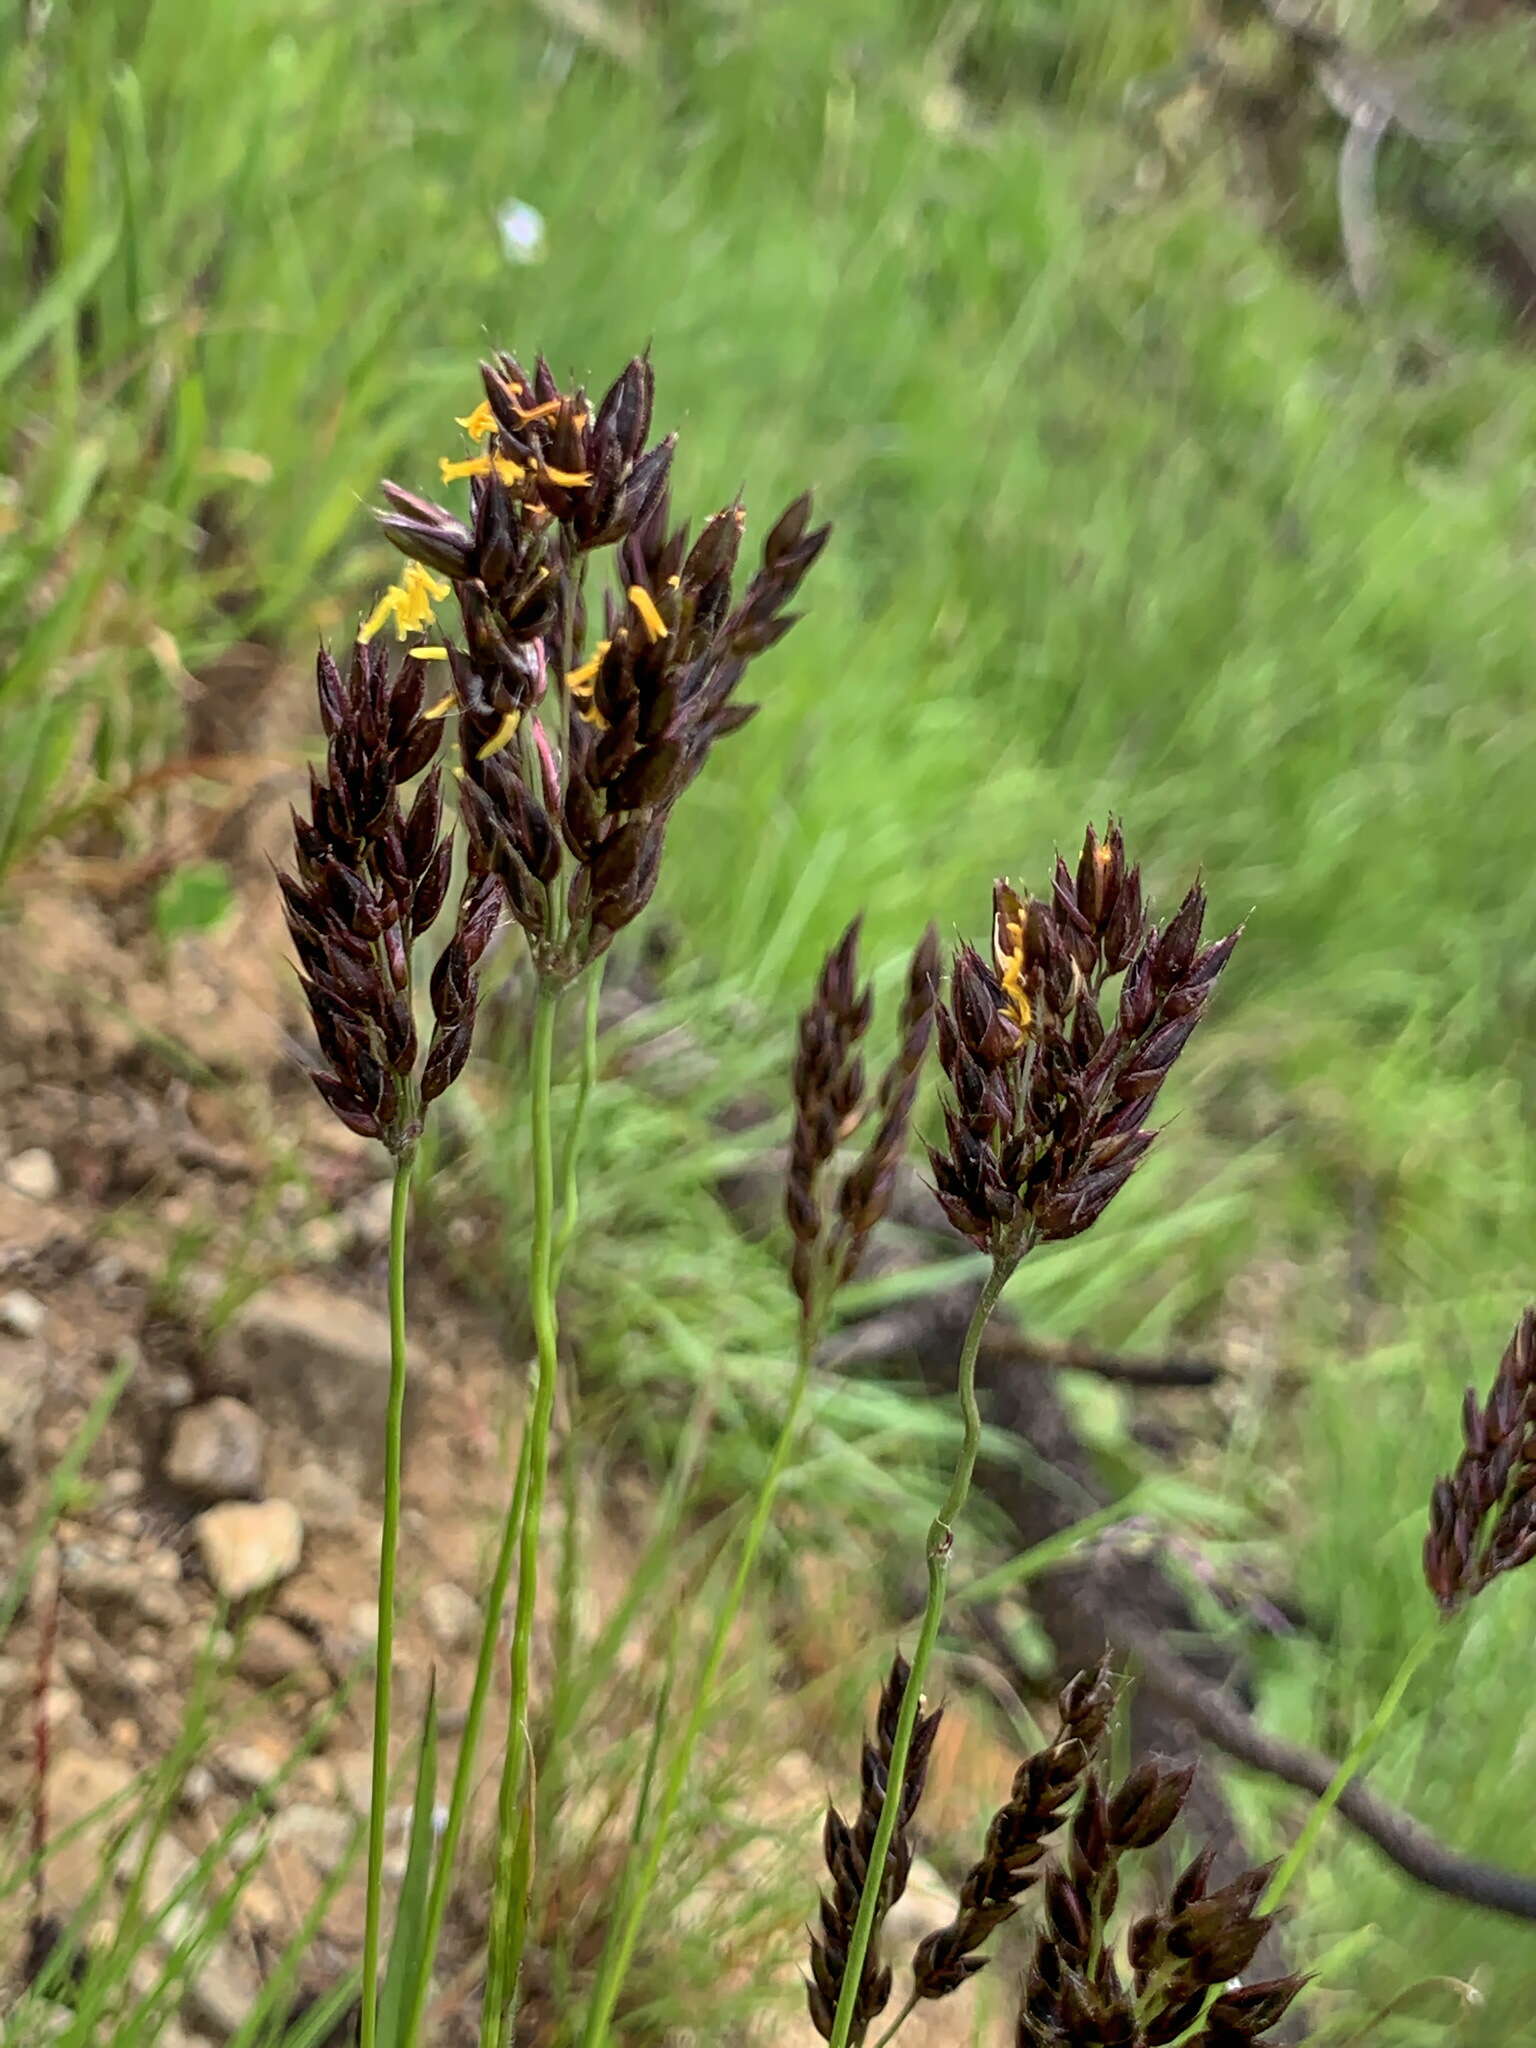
590, 715
580, 680
479, 423
571, 479
408, 602
505, 732
509, 471
1009, 955
429, 654
579, 420
441, 708
377, 616
1013, 989
537, 412
650, 618
673, 582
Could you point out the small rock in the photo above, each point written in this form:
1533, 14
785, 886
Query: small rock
354, 1779
22, 1383
452, 1616
367, 1216
145, 1671
249, 1545
221, 1995
250, 1765
21, 1314
84, 1798
321, 1240
33, 1173
323, 1497
363, 1627
216, 1451
316, 1362
60, 1702
162, 1606
125, 1734
273, 1653
121, 1485
196, 1789
176, 1390
322, 1833
78, 1657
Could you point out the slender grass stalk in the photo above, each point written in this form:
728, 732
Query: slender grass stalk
941, 1540
570, 1158
509, 1911
389, 1541
469, 1744
1354, 1762
624, 1931
899, 2022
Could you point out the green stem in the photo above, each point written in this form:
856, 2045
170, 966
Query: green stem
570, 1158
899, 2022
469, 1744
1359, 1753
941, 1541
626, 1929
509, 1912
383, 1679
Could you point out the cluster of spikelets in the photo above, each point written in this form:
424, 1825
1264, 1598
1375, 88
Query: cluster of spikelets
1065, 1834
1482, 1518
574, 740
1051, 1072
586, 697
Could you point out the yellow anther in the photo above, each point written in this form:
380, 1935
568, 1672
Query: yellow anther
480, 422
590, 715
537, 412
580, 680
645, 605
442, 707
504, 733
408, 602
509, 471
673, 582
571, 479
429, 654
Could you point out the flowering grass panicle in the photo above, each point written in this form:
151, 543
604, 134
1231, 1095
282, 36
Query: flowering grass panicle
576, 745
849, 1851
1014, 1856
1076, 1990
370, 879
831, 1102
1049, 1099
1482, 1518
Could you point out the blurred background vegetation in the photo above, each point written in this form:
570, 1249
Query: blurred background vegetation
1138, 508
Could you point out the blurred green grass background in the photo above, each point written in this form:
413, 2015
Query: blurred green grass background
1131, 514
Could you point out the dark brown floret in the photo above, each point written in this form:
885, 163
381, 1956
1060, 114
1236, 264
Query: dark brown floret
847, 1851
1013, 1859
1198, 1939
1048, 1108
1482, 1519
831, 1102
369, 879
575, 747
